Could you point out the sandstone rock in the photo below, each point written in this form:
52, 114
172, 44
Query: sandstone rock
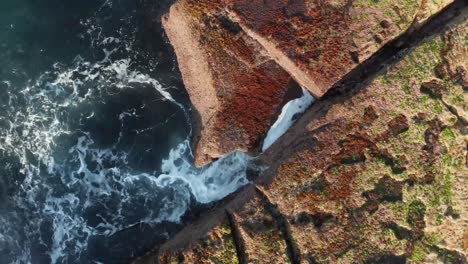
237, 56
375, 175
319, 42
405, 172
236, 89
332, 188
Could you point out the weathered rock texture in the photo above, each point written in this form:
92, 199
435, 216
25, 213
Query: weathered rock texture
376, 175
237, 90
237, 56
387, 166
318, 42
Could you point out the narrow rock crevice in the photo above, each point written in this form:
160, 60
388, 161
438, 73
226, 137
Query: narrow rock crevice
293, 250
237, 237
352, 83
391, 52
277, 55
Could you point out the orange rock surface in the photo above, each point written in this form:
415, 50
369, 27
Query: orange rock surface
239, 58
376, 173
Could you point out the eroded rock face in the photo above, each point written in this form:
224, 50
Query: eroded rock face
238, 57
236, 88
391, 176
318, 42
374, 176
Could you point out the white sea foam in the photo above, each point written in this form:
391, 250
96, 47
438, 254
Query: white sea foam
209, 184
166, 196
286, 118
59, 189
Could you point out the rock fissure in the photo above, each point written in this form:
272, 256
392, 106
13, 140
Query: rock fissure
373, 171
283, 225
395, 50
281, 59
238, 240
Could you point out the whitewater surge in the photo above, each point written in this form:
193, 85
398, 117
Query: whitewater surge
132, 198
287, 118
68, 192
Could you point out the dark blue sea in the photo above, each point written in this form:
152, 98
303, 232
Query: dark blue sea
95, 129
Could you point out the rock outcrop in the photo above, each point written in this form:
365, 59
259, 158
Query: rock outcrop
238, 57
236, 89
375, 174
386, 164
318, 42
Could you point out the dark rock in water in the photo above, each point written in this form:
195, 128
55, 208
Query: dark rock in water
142, 238
4, 95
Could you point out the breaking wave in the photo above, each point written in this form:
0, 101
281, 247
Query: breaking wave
73, 175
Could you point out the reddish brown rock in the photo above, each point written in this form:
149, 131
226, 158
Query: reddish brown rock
237, 56
236, 89
390, 188
376, 175
434, 88
319, 42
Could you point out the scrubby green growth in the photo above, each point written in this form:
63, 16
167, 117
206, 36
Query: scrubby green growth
387, 172
416, 213
228, 254
401, 12
217, 247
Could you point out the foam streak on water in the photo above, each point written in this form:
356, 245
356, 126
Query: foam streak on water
157, 198
68, 188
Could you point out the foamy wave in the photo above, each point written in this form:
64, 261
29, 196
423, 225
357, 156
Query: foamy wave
286, 118
61, 187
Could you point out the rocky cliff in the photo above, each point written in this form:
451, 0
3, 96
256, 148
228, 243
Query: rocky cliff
375, 171
235, 87
239, 58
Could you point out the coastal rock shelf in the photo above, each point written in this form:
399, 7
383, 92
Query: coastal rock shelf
375, 176
319, 42
235, 87
241, 59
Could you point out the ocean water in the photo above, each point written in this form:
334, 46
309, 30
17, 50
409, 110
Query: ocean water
95, 128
